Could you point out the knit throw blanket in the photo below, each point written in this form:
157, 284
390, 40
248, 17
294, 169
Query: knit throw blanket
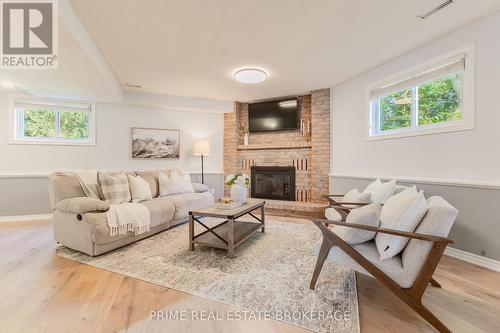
122, 218
128, 217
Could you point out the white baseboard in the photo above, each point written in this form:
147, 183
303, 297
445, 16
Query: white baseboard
18, 218
472, 258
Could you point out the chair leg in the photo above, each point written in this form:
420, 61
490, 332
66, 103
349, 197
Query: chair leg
434, 283
323, 253
431, 319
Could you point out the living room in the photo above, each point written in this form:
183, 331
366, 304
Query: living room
249, 166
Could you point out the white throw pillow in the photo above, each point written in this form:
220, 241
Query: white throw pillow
139, 188
367, 215
174, 184
380, 191
402, 212
354, 196
332, 215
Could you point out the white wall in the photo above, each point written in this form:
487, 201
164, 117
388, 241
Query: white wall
112, 151
471, 156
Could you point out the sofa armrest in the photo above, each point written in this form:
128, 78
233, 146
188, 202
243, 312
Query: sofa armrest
82, 205
200, 188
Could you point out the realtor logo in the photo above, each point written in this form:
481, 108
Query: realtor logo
29, 34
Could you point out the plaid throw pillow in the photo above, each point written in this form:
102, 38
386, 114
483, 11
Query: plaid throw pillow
115, 189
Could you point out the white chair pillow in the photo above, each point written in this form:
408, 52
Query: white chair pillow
354, 196
139, 188
332, 215
380, 191
402, 212
367, 215
174, 184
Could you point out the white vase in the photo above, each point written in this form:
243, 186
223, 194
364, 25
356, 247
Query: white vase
239, 193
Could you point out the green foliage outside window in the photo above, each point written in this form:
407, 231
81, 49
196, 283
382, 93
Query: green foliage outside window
438, 101
42, 123
39, 123
393, 114
74, 125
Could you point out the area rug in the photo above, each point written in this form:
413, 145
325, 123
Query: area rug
269, 276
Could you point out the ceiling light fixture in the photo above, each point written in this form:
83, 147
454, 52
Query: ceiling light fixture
250, 75
7, 84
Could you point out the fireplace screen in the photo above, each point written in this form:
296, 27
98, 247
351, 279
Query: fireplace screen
273, 182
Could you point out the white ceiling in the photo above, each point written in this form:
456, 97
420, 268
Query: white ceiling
192, 48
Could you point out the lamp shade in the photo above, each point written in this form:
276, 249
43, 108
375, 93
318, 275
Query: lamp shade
201, 147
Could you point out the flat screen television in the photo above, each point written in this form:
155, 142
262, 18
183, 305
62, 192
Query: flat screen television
277, 115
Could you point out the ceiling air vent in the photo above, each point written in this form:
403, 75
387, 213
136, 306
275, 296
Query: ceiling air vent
130, 85
435, 10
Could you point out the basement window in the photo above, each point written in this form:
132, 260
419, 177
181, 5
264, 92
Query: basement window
53, 122
433, 98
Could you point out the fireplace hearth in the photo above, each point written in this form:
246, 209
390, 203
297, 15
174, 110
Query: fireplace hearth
273, 182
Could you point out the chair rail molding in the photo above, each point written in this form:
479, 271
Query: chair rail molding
423, 180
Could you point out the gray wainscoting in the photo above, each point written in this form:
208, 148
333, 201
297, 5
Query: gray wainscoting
24, 195
477, 228
29, 195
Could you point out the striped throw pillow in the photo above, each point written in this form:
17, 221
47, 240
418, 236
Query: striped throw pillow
115, 189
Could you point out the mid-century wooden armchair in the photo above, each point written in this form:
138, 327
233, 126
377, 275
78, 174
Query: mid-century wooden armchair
408, 274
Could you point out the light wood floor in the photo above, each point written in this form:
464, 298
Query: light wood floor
41, 292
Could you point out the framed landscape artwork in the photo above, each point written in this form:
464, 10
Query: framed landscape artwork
155, 143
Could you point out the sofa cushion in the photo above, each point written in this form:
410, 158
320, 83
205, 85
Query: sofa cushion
186, 202
64, 185
161, 210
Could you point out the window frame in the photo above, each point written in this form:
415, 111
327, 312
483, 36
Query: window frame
468, 103
16, 122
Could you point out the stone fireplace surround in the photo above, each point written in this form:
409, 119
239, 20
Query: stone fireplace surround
307, 151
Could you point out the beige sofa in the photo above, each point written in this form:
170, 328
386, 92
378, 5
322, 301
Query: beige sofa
80, 222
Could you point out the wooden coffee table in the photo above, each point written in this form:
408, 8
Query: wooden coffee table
231, 232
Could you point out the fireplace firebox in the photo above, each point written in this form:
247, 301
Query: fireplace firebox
273, 182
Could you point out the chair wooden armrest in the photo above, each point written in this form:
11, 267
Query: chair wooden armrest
413, 235
341, 205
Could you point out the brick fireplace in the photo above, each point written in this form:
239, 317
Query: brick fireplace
306, 150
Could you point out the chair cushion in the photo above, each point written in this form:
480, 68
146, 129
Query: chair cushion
438, 221
367, 215
393, 267
186, 202
139, 189
380, 191
332, 215
161, 210
354, 196
402, 212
